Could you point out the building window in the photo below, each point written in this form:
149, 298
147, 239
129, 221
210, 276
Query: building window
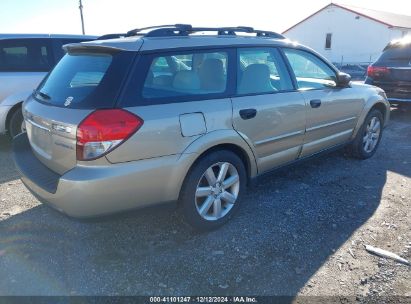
328, 38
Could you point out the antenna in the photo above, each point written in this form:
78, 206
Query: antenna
81, 15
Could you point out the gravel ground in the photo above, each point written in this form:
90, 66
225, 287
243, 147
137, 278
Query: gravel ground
301, 231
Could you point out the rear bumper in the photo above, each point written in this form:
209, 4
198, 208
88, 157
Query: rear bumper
396, 91
99, 190
4, 110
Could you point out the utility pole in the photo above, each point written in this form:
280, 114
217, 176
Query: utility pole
81, 15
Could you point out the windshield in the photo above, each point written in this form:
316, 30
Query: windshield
85, 80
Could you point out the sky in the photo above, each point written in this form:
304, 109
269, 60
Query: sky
119, 16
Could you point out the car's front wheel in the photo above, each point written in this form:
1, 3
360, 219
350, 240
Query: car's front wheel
369, 136
212, 190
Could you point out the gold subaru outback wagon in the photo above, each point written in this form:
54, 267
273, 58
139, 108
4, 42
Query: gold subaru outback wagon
164, 114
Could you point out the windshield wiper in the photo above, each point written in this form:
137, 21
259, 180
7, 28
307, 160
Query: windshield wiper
43, 95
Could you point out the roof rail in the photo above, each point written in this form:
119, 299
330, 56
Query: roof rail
187, 29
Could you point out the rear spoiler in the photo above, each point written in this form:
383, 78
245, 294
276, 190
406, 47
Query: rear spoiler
90, 47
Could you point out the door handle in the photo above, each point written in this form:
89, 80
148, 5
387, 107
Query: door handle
315, 103
248, 113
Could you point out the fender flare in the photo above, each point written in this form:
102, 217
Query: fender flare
221, 137
371, 102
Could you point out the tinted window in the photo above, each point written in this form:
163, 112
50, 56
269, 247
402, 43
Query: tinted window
310, 71
261, 71
25, 55
397, 54
85, 80
186, 74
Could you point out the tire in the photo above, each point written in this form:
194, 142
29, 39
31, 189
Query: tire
15, 124
198, 197
359, 148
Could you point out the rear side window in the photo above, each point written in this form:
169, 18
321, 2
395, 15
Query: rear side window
87, 80
261, 71
310, 71
189, 74
25, 55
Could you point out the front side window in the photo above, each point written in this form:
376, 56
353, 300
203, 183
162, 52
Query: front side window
261, 71
24, 55
310, 71
177, 75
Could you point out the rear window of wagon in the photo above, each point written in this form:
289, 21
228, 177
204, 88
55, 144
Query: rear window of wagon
85, 80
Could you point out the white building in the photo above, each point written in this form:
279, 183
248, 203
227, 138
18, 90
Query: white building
347, 34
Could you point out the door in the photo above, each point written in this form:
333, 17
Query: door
332, 111
267, 111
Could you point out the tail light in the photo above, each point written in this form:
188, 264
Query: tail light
104, 130
376, 71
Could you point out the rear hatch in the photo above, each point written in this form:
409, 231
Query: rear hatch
398, 60
392, 71
87, 78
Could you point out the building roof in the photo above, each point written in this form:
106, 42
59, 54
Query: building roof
386, 18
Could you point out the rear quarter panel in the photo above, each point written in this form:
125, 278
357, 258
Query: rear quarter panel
161, 133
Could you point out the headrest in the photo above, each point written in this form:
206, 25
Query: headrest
256, 79
186, 80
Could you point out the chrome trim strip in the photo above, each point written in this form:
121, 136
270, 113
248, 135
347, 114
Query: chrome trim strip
37, 125
325, 139
331, 124
271, 139
61, 128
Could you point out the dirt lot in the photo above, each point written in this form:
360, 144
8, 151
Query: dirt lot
301, 231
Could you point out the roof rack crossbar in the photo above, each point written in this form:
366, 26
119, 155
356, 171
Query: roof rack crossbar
187, 29
139, 31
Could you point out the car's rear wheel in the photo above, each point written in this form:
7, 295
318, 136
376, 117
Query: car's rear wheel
369, 136
212, 190
16, 123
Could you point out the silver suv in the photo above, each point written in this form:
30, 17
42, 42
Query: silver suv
186, 114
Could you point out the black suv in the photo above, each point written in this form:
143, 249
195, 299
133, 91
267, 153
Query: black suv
392, 72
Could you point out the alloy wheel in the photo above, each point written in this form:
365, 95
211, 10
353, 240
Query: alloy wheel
372, 134
217, 191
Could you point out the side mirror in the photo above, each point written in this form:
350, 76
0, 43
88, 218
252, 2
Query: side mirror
343, 79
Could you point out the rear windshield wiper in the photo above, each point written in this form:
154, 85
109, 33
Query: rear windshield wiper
43, 95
